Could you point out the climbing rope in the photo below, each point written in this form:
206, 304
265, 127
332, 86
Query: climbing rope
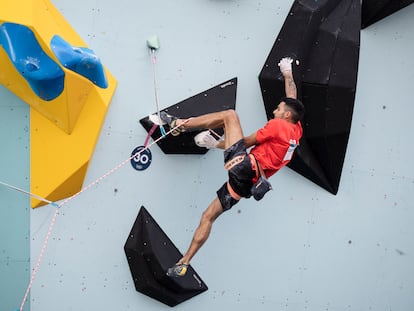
28, 193
143, 161
154, 45
58, 206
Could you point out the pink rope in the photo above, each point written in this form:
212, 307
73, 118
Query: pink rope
52, 223
152, 130
215, 133
39, 259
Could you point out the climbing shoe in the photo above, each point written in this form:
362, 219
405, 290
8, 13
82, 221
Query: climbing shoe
172, 122
206, 140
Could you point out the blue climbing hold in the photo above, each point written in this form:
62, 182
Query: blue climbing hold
44, 76
80, 60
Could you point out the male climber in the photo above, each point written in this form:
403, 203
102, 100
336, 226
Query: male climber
273, 148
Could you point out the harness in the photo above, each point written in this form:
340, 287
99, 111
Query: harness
238, 159
234, 161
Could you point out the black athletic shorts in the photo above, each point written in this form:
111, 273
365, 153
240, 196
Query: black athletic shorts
240, 176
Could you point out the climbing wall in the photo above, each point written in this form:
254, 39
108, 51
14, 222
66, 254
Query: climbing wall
15, 207
300, 248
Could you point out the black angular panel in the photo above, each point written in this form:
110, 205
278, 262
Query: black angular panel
150, 253
375, 10
324, 37
218, 98
295, 39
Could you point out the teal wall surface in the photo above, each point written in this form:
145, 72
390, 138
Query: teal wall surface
14, 206
300, 248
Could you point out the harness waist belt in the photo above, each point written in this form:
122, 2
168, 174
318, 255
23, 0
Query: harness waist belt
233, 162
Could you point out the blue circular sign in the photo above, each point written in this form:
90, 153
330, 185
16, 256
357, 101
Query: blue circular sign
142, 158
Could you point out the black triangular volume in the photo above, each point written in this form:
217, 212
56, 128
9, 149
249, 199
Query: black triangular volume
150, 253
375, 10
218, 98
309, 167
324, 36
295, 39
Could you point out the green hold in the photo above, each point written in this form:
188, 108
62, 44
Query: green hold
153, 43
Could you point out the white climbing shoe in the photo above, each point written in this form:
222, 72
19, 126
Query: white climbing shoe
206, 140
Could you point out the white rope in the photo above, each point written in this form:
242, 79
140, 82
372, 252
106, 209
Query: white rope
154, 62
28, 193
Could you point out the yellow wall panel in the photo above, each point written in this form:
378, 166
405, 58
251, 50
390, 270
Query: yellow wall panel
64, 130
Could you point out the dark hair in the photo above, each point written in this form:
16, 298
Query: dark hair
295, 106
